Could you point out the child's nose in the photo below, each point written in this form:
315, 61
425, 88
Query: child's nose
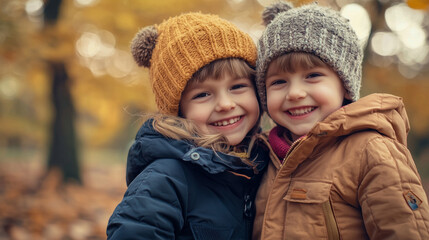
295, 92
225, 103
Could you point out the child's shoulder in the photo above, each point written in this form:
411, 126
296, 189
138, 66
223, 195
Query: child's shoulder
359, 140
374, 147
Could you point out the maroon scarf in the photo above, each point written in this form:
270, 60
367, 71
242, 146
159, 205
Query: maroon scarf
278, 142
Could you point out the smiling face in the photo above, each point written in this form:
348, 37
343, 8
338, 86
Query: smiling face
227, 105
298, 99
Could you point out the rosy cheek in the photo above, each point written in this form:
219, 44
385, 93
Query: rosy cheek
199, 115
196, 118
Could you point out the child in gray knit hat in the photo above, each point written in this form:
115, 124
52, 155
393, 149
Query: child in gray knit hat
340, 167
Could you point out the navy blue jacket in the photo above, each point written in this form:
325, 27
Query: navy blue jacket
179, 191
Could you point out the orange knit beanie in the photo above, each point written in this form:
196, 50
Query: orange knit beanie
180, 46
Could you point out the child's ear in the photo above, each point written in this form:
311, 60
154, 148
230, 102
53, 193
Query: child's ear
347, 99
347, 96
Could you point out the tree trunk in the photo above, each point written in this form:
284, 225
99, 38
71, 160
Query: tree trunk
63, 148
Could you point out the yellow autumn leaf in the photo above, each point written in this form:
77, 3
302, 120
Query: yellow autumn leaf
419, 4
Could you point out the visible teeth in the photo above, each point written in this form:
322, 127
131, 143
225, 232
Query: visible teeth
226, 122
301, 111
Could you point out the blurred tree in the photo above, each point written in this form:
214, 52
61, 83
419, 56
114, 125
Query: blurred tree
63, 147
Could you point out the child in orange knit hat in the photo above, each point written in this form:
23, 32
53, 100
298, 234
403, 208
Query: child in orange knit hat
193, 169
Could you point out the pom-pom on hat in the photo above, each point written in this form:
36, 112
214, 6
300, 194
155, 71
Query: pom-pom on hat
313, 29
180, 46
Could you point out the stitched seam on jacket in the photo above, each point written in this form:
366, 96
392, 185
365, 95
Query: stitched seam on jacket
362, 166
365, 197
130, 194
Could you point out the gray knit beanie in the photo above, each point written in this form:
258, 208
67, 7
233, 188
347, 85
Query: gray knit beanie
317, 30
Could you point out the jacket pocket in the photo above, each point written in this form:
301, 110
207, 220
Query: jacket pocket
208, 232
309, 209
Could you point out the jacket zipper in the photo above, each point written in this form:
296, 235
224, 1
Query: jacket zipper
331, 224
248, 216
291, 149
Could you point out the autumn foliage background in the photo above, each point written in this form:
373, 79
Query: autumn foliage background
71, 98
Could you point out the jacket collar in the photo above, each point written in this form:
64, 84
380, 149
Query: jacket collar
383, 113
150, 145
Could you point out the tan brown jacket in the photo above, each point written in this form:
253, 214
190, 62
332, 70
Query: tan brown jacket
352, 177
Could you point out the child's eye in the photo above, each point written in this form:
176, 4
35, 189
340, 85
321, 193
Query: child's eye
238, 86
278, 82
200, 95
313, 75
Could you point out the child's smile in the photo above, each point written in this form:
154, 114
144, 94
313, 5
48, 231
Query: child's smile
226, 122
299, 100
227, 105
300, 111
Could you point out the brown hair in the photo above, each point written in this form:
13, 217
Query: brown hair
183, 129
292, 62
217, 69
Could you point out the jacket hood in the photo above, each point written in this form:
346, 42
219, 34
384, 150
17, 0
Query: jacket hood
383, 113
150, 145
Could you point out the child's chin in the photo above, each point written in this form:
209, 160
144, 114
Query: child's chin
232, 141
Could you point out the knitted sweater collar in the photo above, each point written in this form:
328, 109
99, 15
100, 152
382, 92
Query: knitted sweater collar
279, 142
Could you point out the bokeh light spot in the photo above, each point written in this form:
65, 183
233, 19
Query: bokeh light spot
359, 20
88, 45
400, 17
34, 7
385, 43
413, 36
